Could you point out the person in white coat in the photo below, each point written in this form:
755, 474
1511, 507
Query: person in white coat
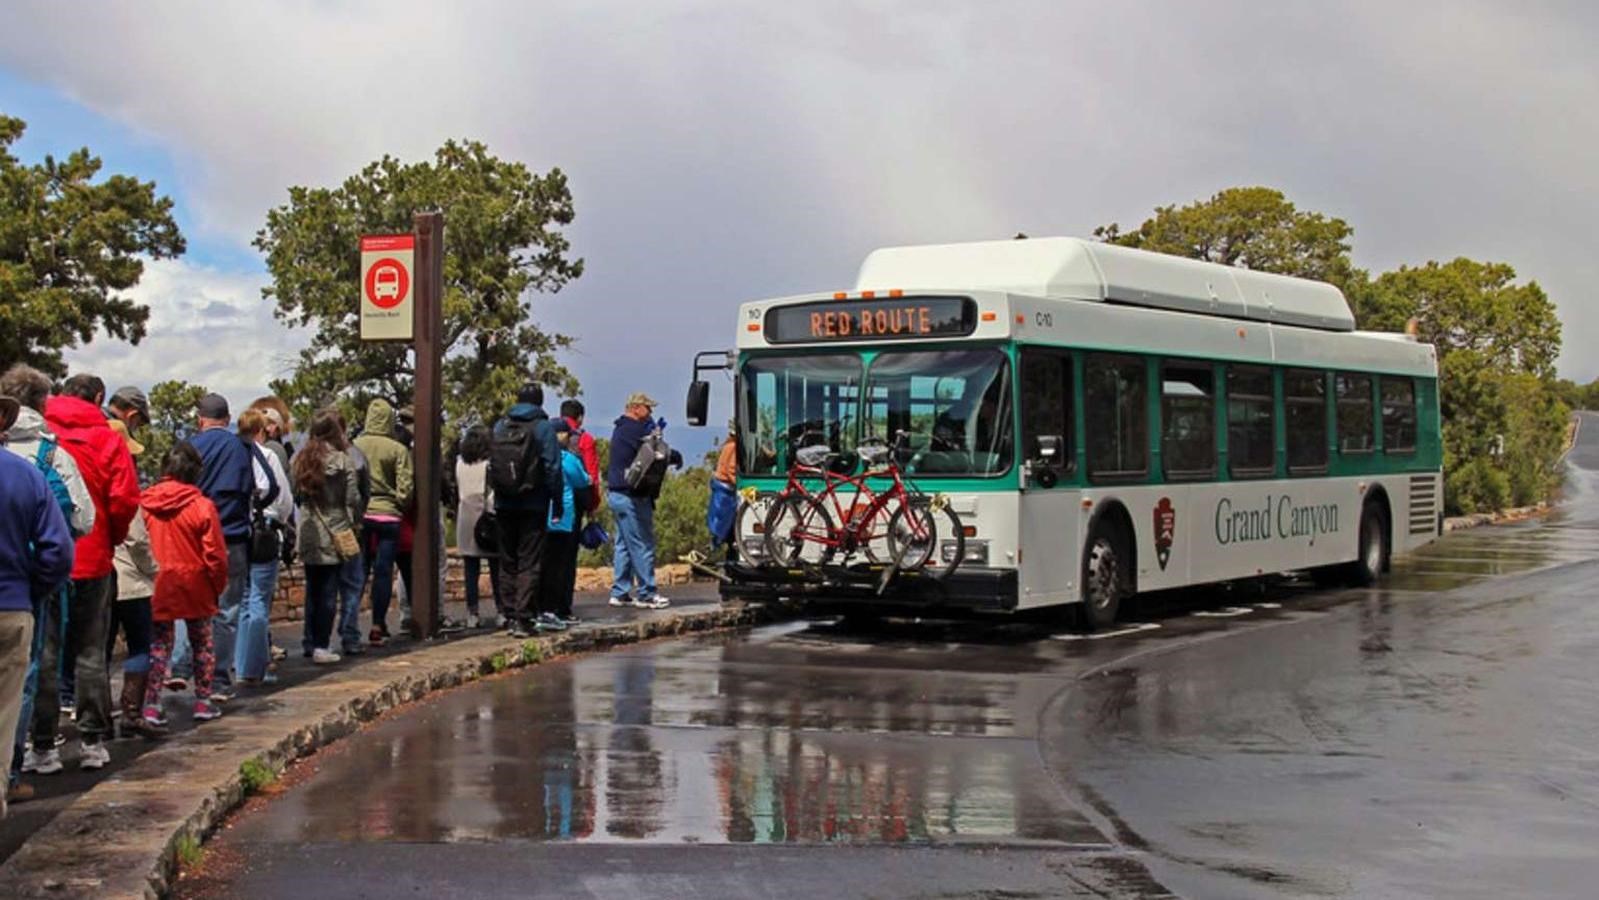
471, 476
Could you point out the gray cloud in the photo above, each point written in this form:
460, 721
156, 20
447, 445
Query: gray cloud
723, 151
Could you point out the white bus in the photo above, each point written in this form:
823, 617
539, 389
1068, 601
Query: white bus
1104, 421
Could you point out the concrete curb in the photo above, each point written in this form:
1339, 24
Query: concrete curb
125, 837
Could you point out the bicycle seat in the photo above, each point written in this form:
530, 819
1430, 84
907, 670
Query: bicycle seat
874, 454
814, 456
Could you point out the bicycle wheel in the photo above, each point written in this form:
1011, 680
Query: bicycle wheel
914, 538
750, 523
873, 535
799, 533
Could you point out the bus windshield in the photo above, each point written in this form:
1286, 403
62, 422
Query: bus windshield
953, 405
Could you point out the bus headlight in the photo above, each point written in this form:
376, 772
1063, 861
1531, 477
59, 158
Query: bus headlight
976, 553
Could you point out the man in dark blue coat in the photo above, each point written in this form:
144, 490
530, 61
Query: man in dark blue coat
633, 561
226, 477
524, 514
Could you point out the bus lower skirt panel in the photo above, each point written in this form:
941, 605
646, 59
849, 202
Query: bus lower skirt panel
974, 588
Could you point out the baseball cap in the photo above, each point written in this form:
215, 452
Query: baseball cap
132, 396
639, 398
212, 406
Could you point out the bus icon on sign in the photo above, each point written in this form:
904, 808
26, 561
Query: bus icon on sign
387, 283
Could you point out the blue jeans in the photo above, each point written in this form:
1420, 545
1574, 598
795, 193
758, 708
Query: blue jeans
252, 644
352, 582
634, 567
382, 540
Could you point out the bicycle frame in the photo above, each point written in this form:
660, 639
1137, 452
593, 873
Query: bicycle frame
854, 525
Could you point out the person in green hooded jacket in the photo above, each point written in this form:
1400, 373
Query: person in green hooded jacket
392, 482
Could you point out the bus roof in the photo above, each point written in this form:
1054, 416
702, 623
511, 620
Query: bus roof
1074, 269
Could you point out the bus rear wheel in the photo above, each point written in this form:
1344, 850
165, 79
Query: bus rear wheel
1104, 578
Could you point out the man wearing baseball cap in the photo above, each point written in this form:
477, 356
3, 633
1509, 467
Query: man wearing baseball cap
36, 554
633, 576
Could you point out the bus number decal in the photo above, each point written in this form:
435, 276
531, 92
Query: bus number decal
1280, 519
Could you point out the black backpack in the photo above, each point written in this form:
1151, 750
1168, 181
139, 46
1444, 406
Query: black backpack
513, 463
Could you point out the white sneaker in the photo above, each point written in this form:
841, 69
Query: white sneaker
623, 601
94, 756
45, 763
655, 602
324, 657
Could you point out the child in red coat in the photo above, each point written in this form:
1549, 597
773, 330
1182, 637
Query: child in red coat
192, 561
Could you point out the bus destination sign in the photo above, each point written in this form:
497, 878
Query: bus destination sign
890, 319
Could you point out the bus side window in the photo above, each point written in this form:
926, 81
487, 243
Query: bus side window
1046, 387
1251, 422
1115, 389
1356, 431
1398, 415
1188, 420
1305, 398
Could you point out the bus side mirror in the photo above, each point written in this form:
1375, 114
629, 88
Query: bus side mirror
699, 402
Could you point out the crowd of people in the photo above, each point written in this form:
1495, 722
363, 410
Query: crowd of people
184, 568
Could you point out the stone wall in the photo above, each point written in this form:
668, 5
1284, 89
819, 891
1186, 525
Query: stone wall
289, 603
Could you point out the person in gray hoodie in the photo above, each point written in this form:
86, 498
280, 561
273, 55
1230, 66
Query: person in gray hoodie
28, 433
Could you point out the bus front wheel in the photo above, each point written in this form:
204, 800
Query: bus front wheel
1103, 578
1373, 550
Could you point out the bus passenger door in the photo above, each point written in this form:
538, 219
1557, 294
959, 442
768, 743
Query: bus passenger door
1047, 536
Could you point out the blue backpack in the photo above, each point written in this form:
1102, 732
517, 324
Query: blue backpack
45, 463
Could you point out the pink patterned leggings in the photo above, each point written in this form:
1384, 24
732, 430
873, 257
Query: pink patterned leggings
205, 658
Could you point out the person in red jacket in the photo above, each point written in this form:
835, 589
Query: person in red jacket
108, 471
191, 558
583, 445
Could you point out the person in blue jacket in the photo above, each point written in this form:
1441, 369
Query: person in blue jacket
560, 567
36, 554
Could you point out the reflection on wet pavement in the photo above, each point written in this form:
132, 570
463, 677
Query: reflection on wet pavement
693, 742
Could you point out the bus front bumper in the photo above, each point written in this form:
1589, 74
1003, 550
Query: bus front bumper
968, 588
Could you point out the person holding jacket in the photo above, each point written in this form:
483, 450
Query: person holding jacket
390, 470
274, 500
107, 469
474, 499
329, 490
36, 557
191, 555
524, 513
560, 563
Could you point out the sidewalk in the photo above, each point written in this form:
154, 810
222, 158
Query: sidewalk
114, 832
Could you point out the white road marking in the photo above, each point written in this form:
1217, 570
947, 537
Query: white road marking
1131, 629
1268, 606
1227, 613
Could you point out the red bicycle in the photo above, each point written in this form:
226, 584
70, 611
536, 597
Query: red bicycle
897, 526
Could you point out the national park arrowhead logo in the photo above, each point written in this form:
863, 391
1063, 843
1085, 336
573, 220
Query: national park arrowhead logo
1165, 530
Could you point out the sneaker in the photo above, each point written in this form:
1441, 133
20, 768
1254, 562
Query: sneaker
46, 762
177, 684
550, 622
61, 739
153, 718
270, 677
353, 650
69, 707
569, 619
522, 630
655, 602
205, 711
623, 600
279, 654
377, 637
501, 623
472, 621
94, 756
448, 625
221, 694
409, 629
322, 656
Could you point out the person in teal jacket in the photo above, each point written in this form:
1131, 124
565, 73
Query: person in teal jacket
561, 550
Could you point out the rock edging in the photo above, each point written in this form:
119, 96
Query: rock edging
126, 836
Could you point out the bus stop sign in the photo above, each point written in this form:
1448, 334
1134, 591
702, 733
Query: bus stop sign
386, 263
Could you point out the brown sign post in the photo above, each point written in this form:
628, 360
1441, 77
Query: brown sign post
426, 559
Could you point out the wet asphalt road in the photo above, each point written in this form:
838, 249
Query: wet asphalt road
1429, 737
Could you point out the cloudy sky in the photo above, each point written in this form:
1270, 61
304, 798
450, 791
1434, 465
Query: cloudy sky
723, 151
